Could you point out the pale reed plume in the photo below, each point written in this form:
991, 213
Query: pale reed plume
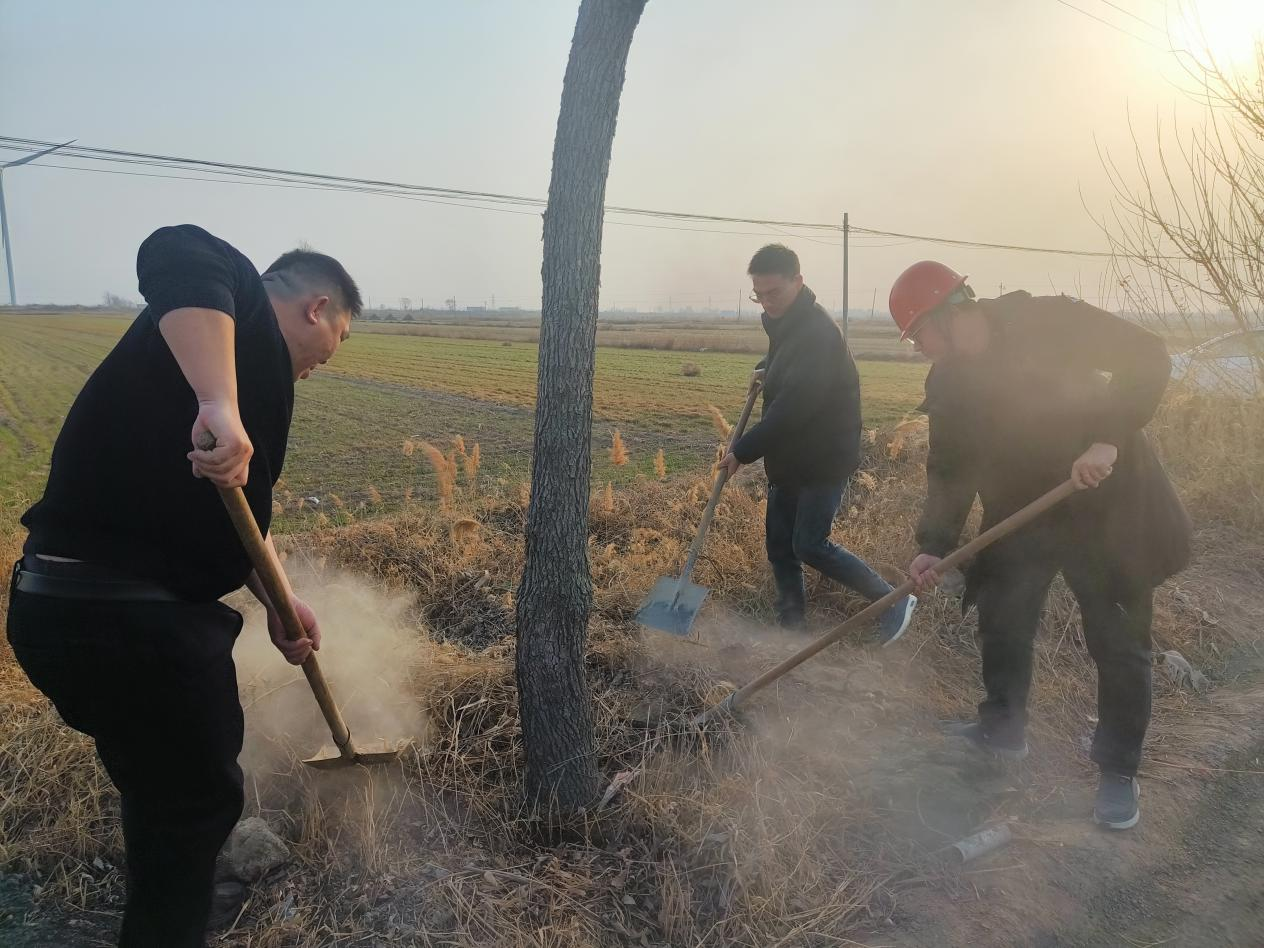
902, 433
442, 470
471, 462
718, 420
618, 453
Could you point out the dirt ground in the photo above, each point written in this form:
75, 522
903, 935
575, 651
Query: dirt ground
1191, 874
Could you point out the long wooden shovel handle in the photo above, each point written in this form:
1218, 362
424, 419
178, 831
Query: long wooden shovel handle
875, 609
269, 571
721, 478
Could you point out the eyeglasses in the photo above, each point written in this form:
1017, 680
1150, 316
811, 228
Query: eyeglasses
765, 297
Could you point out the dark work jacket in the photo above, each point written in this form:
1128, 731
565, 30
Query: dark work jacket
809, 433
1008, 424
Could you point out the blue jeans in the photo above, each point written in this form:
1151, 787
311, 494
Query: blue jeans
797, 531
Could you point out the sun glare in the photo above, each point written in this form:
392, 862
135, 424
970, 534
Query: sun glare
1228, 32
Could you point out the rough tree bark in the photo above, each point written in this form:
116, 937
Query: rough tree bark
556, 592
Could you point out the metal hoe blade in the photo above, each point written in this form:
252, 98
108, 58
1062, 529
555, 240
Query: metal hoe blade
672, 606
375, 752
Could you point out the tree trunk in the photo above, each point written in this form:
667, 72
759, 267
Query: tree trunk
556, 592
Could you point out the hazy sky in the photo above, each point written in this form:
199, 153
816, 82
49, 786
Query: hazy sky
978, 119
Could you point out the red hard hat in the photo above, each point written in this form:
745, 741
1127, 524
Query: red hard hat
920, 289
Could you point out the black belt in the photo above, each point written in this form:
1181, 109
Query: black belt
62, 582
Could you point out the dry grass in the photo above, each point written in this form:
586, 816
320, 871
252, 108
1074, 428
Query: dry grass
792, 827
1214, 447
690, 370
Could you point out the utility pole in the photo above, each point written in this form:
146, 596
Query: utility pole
4, 217
873, 305
739, 306
846, 234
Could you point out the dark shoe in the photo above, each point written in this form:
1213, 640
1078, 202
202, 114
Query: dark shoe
226, 902
1117, 807
982, 741
896, 620
792, 621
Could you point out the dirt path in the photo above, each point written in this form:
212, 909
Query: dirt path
1205, 889
1191, 875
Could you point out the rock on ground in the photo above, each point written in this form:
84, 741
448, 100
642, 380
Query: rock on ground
253, 850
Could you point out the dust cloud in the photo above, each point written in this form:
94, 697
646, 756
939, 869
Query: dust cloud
369, 654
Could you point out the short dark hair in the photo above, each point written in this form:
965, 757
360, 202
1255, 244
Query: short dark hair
774, 259
306, 270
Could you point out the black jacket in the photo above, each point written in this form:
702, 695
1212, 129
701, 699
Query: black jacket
809, 433
1008, 424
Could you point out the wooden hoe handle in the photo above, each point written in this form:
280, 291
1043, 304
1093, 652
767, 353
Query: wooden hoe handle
875, 609
270, 575
269, 571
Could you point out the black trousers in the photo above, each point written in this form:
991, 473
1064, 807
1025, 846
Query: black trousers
154, 684
1010, 592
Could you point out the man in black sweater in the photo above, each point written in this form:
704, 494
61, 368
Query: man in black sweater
809, 438
114, 612
1017, 403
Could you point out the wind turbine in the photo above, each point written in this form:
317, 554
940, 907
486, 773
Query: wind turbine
4, 218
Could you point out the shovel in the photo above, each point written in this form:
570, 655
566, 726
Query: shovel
875, 609
346, 752
674, 601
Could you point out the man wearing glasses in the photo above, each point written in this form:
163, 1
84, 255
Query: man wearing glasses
809, 438
1017, 403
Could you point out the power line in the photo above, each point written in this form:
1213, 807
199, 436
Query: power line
228, 173
393, 194
1113, 26
1128, 13
982, 245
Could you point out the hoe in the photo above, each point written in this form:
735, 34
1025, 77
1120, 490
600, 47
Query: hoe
346, 752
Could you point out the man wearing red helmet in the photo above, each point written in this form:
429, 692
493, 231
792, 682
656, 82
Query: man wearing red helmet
1017, 401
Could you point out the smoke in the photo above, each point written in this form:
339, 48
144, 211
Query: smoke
369, 654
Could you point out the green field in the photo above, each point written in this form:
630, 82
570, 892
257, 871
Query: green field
352, 418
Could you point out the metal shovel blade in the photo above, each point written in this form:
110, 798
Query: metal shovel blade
375, 752
671, 607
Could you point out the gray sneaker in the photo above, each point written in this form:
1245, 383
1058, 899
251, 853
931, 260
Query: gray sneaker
1117, 807
981, 740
